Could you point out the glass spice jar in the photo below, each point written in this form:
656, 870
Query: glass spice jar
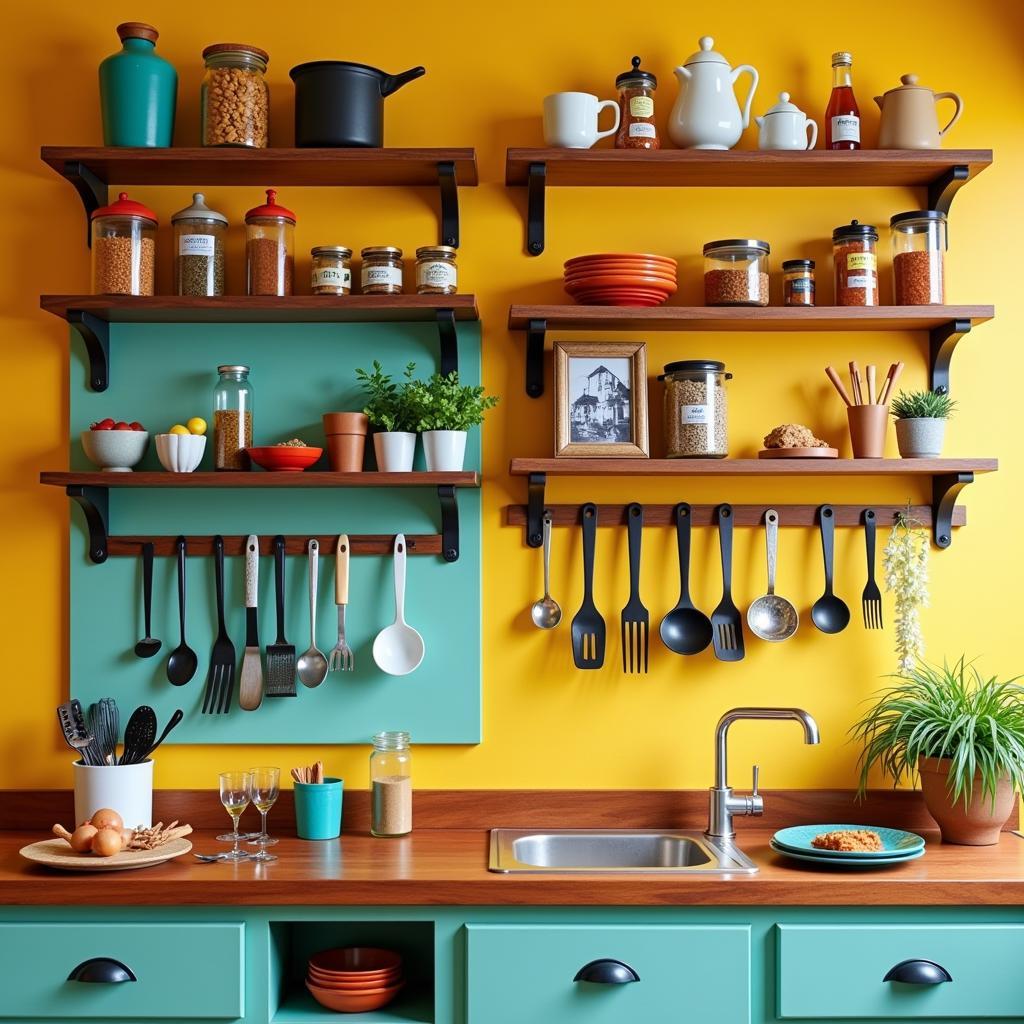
636, 109
269, 248
736, 272
234, 97
918, 257
696, 409
391, 785
436, 272
199, 236
123, 248
856, 264
232, 419
798, 283
382, 270
332, 271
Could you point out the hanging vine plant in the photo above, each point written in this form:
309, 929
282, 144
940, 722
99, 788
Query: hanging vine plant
906, 576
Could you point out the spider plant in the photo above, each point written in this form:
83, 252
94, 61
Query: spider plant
948, 712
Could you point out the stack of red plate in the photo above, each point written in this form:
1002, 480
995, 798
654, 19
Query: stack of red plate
620, 279
355, 980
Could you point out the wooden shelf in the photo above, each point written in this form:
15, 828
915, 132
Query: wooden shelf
467, 478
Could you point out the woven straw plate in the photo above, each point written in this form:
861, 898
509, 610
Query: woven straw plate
55, 853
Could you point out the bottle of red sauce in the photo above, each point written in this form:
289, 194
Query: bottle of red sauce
842, 116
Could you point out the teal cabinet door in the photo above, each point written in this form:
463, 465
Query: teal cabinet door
523, 974
830, 972
183, 971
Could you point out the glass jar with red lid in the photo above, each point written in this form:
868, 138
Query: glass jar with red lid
123, 248
270, 248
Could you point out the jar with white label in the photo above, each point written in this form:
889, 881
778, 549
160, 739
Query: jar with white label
636, 109
436, 273
382, 270
199, 235
856, 264
332, 272
696, 409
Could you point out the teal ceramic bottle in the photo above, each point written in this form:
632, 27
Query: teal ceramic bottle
138, 90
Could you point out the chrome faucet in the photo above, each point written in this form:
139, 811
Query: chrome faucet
723, 804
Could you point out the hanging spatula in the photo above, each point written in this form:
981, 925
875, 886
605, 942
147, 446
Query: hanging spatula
280, 654
250, 686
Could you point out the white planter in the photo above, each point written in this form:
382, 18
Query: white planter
125, 788
395, 451
920, 438
444, 450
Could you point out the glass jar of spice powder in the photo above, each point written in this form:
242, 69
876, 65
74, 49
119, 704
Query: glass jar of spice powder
332, 272
856, 264
436, 273
382, 270
918, 257
199, 235
391, 785
636, 107
270, 248
798, 282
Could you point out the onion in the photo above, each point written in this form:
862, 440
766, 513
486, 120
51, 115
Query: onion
106, 818
106, 842
81, 839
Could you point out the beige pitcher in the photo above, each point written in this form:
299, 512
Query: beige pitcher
909, 120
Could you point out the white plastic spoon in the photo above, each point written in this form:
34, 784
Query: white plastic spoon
398, 648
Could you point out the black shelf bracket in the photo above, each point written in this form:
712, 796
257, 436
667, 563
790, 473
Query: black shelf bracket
535, 509
449, 340
94, 502
91, 189
449, 522
449, 203
535, 186
96, 335
941, 343
535, 332
946, 487
943, 188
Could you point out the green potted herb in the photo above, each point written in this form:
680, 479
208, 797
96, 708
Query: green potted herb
921, 422
389, 409
961, 734
444, 412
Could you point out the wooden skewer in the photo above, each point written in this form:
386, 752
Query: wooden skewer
837, 383
871, 383
858, 395
886, 384
894, 376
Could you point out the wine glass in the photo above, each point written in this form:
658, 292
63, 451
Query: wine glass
263, 788
234, 795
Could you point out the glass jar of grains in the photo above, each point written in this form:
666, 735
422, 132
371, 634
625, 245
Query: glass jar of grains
918, 257
637, 129
234, 97
382, 270
232, 418
736, 272
269, 248
798, 283
856, 264
696, 409
332, 271
123, 248
391, 785
199, 235
436, 273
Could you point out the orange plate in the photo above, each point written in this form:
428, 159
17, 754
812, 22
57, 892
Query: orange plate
355, 986
627, 281
604, 256
353, 1002
798, 453
586, 275
384, 975
352, 959
283, 458
641, 293
620, 300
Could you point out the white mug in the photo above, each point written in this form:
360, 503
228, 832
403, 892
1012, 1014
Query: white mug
570, 119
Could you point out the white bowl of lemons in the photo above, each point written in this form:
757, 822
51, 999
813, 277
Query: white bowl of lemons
181, 449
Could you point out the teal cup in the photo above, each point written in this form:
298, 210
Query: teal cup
318, 809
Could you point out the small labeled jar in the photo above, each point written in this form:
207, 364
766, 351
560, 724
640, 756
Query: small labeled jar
123, 248
856, 264
696, 409
798, 283
199, 236
736, 272
232, 418
919, 257
269, 248
382, 270
234, 96
436, 273
332, 270
637, 129
391, 785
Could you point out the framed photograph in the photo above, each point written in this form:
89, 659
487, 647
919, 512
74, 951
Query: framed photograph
601, 400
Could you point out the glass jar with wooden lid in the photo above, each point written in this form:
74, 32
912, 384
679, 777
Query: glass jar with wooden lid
436, 273
234, 97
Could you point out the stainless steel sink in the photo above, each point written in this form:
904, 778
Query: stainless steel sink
597, 851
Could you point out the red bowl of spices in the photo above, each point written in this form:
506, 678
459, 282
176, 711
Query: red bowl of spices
285, 458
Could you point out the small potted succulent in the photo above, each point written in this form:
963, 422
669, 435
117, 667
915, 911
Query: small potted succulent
962, 735
921, 422
444, 411
390, 410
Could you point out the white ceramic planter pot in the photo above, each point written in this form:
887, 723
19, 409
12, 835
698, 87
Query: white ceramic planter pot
395, 450
444, 450
920, 438
125, 788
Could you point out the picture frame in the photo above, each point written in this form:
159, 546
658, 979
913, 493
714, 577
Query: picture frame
601, 400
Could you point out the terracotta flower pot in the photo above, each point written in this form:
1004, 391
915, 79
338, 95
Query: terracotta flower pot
346, 440
977, 824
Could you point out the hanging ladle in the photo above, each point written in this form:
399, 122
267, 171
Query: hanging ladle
829, 613
772, 617
686, 629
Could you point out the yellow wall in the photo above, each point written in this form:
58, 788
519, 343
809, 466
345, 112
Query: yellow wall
545, 724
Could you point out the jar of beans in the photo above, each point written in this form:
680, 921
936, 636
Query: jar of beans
856, 264
798, 283
234, 96
270, 248
636, 109
919, 257
199, 235
696, 409
123, 248
232, 418
736, 272
332, 271
382, 270
436, 273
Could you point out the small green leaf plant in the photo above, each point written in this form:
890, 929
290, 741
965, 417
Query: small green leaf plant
922, 405
905, 560
442, 403
388, 404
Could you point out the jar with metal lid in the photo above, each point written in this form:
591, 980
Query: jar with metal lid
637, 129
382, 270
391, 785
199, 236
696, 409
436, 273
332, 271
736, 272
234, 96
798, 283
856, 264
232, 418
269, 248
123, 248
918, 257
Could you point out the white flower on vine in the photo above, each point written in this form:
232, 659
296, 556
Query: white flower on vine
906, 575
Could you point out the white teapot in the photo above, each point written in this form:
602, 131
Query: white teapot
706, 114
785, 126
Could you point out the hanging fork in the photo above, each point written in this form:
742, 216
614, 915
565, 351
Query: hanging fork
342, 658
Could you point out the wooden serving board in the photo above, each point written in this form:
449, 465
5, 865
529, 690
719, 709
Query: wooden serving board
55, 853
798, 453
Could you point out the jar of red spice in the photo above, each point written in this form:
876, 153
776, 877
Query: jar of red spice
918, 257
798, 283
636, 105
856, 264
270, 248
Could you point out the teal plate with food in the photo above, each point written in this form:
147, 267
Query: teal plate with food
848, 861
895, 842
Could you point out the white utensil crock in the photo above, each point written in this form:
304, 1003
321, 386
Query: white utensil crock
125, 788
444, 450
395, 450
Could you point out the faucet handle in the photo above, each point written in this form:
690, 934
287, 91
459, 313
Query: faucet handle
756, 800
757, 772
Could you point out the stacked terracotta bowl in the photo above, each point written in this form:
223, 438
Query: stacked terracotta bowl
355, 980
620, 279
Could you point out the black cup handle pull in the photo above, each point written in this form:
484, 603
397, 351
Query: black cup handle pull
607, 972
103, 970
918, 972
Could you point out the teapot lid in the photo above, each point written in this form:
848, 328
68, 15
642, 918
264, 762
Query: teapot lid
784, 106
705, 55
634, 74
907, 82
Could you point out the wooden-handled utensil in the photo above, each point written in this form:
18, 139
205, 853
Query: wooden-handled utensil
250, 687
858, 395
890, 382
830, 372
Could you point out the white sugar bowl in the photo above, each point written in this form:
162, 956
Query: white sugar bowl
786, 126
